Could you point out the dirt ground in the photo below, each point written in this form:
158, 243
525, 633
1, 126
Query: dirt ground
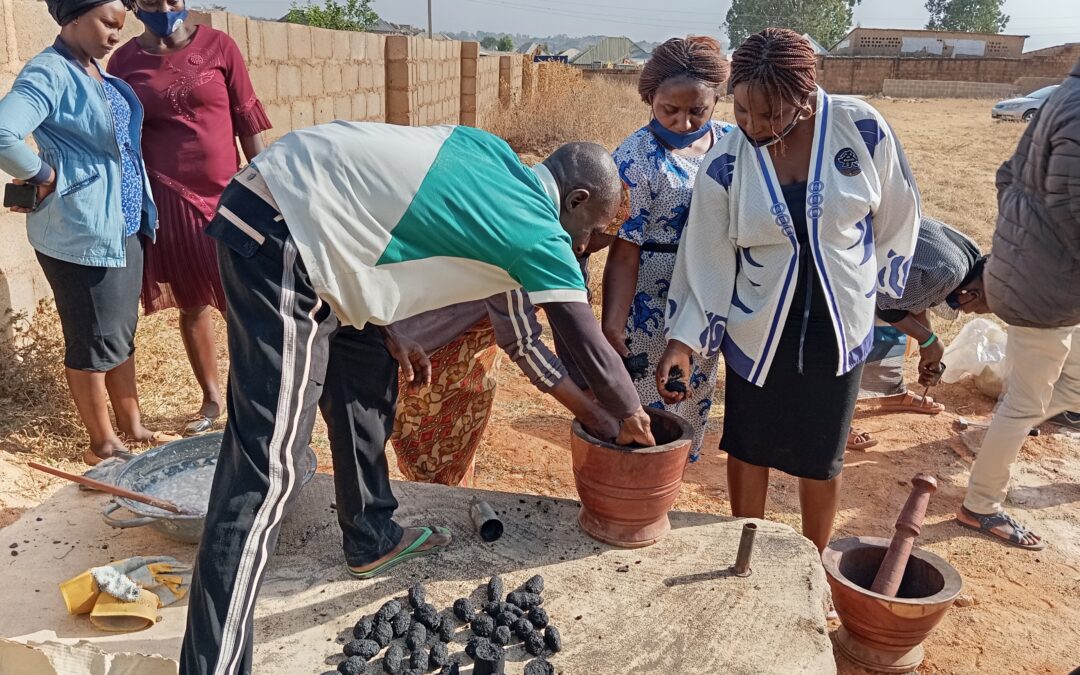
1021, 610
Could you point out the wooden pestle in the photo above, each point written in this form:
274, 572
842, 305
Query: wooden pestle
908, 527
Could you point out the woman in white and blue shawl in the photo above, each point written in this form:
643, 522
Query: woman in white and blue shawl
797, 224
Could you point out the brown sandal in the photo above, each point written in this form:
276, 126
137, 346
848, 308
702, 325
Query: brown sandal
860, 440
911, 403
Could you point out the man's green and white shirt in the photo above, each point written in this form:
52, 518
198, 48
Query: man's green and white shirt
392, 221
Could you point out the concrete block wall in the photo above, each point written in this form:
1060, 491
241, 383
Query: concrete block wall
867, 75
510, 73
1026, 85
305, 75
423, 81
479, 85
946, 89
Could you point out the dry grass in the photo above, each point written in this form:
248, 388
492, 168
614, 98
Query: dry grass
568, 107
954, 147
37, 416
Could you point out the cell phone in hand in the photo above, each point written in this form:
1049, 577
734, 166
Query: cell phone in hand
24, 196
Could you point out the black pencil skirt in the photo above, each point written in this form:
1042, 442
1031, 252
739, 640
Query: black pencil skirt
98, 308
799, 421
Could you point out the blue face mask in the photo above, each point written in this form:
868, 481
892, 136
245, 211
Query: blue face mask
676, 140
162, 24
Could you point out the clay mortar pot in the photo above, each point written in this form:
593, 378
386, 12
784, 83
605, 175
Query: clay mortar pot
626, 493
880, 633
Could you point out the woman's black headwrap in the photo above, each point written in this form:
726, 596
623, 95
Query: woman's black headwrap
66, 11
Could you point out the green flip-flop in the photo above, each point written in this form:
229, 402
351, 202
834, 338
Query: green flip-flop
413, 550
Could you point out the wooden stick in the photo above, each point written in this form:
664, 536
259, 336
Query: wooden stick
163, 504
908, 527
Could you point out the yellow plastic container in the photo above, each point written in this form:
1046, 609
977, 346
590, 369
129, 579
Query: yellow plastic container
80, 593
118, 616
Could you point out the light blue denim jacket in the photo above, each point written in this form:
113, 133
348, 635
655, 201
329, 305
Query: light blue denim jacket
67, 112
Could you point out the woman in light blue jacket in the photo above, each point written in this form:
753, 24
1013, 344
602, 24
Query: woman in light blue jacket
93, 209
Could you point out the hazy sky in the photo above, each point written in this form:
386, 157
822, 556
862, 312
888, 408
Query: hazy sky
1048, 22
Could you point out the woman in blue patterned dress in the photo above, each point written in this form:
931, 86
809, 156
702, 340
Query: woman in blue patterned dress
658, 163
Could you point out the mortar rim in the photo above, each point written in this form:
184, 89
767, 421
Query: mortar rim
952, 582
686, 435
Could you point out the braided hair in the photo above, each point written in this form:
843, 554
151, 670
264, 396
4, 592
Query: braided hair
779, 61
697, 57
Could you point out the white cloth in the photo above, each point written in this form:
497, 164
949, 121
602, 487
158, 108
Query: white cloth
736, 269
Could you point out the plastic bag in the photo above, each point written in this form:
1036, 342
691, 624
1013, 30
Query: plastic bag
978, 351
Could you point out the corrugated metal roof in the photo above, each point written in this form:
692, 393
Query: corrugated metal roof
612, 50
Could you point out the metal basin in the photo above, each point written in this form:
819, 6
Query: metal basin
187, 455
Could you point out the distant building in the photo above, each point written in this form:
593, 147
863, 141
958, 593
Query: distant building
533, 49
570, 54
387, 28
612, 51
928, 43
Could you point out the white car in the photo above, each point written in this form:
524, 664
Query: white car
1023, 108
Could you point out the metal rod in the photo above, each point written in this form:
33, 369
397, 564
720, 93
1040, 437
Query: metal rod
163, 504
429, 33
746, 550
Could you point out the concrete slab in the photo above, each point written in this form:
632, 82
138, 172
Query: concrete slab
670, 608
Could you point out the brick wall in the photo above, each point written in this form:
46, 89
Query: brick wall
867, 75
423, 81
510, 70
303, 76
946, 89
479, 85
307, 76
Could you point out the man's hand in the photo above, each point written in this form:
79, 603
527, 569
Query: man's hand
677, 355
43, 191
930, 366
414, 361
636, 429
601, 424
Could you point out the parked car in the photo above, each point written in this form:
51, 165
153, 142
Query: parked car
1023, 108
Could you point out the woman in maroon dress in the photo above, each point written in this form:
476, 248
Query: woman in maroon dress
194, 84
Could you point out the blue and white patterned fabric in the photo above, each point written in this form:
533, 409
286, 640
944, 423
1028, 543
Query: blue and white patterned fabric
131, 186
735, 273
661, 183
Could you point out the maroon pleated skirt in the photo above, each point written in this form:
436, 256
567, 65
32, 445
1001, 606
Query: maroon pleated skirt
180, 268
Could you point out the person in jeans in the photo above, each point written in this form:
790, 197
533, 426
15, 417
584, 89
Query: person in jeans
94, 210
334, 233
1031, 283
